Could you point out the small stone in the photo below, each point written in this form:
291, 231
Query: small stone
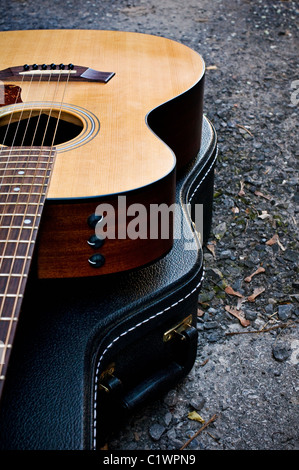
269, 309
250, 315
285, 311
156, 431
198, 403
210, 325
280, 352
167, 418
220, 230
171, 398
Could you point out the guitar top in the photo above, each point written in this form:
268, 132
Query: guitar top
110, 148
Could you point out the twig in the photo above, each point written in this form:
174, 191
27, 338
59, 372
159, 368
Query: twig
199, 431
263, 330
245, 129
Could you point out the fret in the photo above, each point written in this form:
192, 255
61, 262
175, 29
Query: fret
27, 193
17, 226
11, 295
24, 176
12, 165
19, 215
12, 275
22, 206
16, 188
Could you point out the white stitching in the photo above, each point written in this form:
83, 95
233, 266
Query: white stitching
117, 338
205, 175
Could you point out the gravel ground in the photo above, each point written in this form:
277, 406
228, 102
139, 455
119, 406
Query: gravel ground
249, 380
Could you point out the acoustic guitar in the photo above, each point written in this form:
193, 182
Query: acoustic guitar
86, 117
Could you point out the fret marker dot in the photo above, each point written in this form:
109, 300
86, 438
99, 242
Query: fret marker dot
27, 221
16, 189
21, 172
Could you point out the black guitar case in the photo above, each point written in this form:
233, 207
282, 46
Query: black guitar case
89, 352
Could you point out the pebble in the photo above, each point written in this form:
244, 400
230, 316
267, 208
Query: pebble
280, 352
198, 403
156, 431
284, 312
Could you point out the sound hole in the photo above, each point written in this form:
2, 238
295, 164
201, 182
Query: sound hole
39, 128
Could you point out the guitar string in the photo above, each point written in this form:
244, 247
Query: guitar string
41, 195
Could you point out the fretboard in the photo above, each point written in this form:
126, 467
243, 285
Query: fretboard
24, 178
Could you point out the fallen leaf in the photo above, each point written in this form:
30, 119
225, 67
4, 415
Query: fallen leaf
272, 240
211, 247
235, 210
229, 290
241, 192
195, 417
275, 239
200, 312
259, 193
258, 271
256, 292
236, 313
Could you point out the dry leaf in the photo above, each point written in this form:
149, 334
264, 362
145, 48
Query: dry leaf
212, 67
195, 417
275, 239
238, 315
272, 240
259, 193
200, 312
256, 292
235, 210
258, 271
241, 192
229, 290
211, 247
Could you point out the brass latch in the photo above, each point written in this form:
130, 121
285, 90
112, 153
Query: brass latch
178, 329
104, 377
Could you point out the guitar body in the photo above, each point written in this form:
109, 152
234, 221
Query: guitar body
129, 136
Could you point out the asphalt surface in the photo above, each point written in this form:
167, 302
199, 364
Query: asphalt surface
246, 380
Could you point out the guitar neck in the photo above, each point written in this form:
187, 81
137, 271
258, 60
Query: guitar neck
24, 178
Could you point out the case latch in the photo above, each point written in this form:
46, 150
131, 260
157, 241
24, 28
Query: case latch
178, 330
